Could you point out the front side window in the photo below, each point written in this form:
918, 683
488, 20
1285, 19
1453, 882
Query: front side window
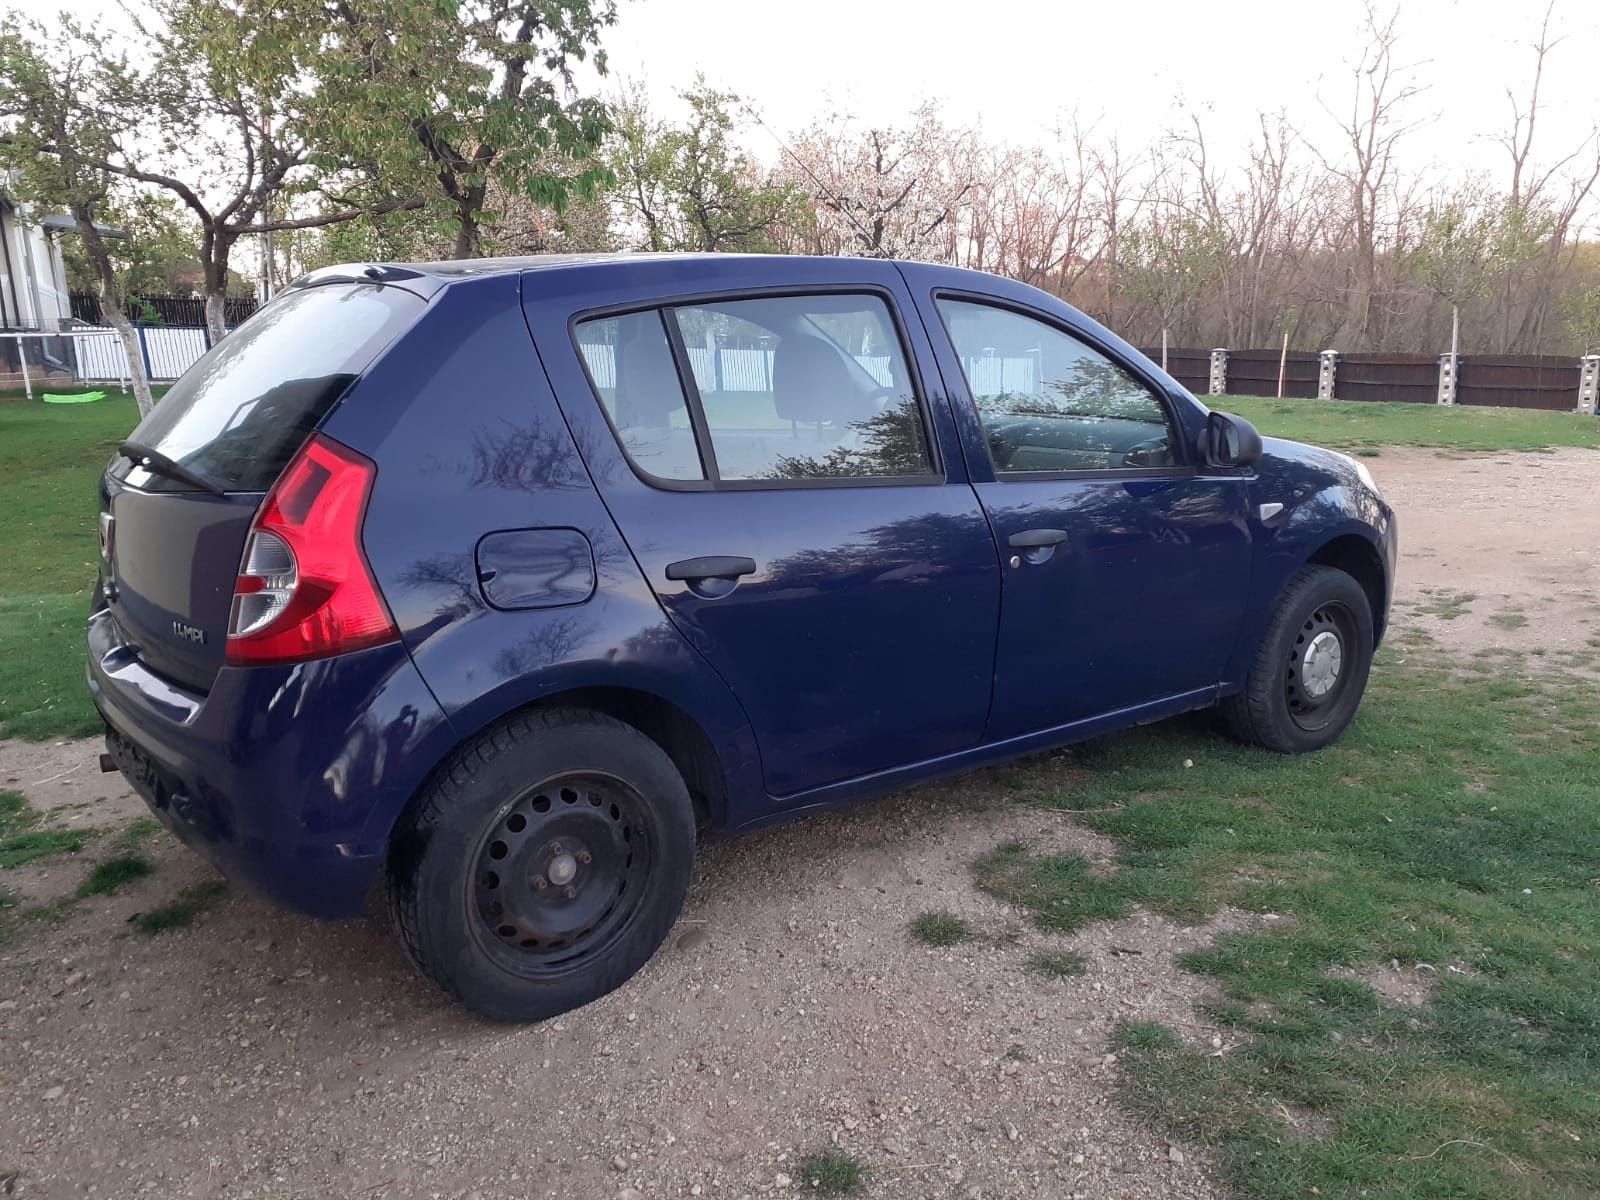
1050, 403
790, 389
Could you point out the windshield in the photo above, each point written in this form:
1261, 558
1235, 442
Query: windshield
238, 415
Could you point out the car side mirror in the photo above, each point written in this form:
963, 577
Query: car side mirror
1231, 441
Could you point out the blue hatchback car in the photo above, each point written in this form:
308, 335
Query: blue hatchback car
506, 581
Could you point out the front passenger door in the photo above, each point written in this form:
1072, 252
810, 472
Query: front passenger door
1126, 560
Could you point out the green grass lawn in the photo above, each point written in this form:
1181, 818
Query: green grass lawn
51, 457
1347, 424
1456, 826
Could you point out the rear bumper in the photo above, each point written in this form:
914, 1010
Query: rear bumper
288, 778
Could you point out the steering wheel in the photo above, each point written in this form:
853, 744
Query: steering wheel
1148, 452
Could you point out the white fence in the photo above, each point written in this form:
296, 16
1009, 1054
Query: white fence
992, 375
720, 370
169, 351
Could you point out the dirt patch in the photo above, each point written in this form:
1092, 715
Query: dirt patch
63, 779
1515, 532
264, 1054
1407, 986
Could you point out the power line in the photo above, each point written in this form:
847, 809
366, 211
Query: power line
839, 202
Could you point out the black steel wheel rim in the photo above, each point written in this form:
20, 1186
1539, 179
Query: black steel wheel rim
560, 873
1321, 662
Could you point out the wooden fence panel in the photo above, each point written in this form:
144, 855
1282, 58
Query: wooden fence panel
1519, 381
1394, 378
1255, 373
1189, 366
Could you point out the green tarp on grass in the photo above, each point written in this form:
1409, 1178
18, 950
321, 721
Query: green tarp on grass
76, 398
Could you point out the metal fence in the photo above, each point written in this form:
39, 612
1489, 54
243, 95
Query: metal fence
168, 353
166, 310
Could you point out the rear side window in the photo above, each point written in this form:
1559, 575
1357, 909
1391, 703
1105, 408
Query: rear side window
779, 389
631, 365
238, 415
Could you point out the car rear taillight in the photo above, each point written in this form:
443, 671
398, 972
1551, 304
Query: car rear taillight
304, 588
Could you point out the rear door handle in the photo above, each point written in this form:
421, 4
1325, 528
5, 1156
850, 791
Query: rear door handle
1036, 539
711, 566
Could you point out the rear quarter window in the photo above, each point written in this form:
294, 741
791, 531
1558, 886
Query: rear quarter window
238, 415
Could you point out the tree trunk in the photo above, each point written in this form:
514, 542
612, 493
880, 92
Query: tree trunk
469, 233
94, 250
216, 315
215, 247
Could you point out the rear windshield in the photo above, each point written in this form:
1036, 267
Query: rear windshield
238, 415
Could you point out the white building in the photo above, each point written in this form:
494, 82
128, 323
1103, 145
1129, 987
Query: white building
33, 277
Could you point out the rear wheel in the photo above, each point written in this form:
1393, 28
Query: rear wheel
544, 866
1310, 668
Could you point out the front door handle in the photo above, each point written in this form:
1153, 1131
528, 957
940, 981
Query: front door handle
711, 566
1036, 539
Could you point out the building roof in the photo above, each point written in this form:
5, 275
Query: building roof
63, 223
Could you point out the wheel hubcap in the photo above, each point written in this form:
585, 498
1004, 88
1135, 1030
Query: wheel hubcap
1315, 675
563, 868
1319, 668
560, 872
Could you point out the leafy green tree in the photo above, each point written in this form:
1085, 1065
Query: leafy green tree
159, 254
1169, 260
687, 187
209, 103
450, 100
232, 121
1452, 252
1581, 313
52, 151
1472, 244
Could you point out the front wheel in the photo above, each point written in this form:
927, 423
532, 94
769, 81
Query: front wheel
1310, 669
544, 866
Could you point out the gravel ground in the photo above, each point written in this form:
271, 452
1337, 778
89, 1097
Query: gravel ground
258, 1054
1519, 533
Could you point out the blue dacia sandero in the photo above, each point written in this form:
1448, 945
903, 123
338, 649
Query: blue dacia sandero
506, 582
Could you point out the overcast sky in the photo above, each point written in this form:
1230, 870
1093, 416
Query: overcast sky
1137, 67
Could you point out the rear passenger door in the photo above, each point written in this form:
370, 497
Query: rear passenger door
1127, 560
795, 496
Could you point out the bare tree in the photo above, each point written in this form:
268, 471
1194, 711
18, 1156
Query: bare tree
887, 192
1372, 130
1542, 203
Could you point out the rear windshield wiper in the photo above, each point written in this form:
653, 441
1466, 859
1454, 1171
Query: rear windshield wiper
154, 460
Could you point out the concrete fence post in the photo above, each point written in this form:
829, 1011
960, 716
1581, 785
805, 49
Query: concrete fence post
1449, 365
1219, 372
1327, 368
1589, 384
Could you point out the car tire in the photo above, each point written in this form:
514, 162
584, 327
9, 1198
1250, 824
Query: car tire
1310, 668
543, 865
